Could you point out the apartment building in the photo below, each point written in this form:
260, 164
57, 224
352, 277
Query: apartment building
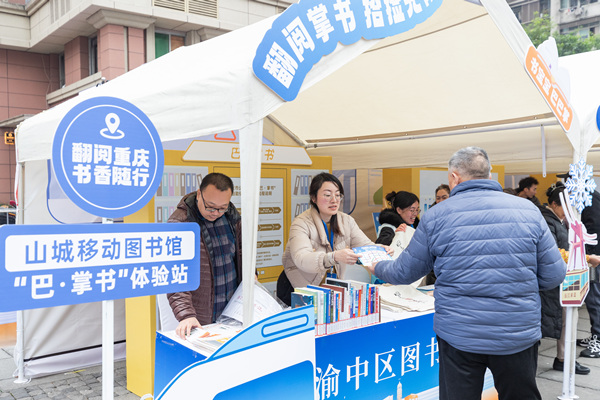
50, 50
580, 17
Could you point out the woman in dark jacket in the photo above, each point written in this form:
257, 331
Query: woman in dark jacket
552, 311
404, 210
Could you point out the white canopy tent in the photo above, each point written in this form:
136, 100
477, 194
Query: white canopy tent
455, 80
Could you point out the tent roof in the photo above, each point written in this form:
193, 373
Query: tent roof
454, 73
455, 80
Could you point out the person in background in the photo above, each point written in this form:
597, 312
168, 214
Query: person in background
220, 252
553, 314
441, 193
590, 217
321, 239
528, 188
404, 210
510, 191
492, 253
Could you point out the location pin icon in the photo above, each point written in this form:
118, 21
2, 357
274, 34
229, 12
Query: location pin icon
112, 122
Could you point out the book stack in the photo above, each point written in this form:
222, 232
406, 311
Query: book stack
340, 304
401, 298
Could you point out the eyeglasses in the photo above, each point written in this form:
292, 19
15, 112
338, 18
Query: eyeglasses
414, 210
211, 210
329, 196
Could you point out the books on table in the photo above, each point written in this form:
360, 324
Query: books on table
340, 304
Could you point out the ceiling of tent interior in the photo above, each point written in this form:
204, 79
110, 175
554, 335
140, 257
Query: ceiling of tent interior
415, 98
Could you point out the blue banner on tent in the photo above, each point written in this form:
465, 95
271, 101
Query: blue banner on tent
385, 361
310, 29
53, 265
107, 157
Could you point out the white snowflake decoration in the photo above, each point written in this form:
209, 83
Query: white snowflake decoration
580, 185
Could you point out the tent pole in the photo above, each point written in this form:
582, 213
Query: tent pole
108, 343
490, 129
543, 151
250, 168
20, 347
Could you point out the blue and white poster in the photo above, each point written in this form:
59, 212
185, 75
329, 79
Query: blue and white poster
310, 29
54, 265
107, 157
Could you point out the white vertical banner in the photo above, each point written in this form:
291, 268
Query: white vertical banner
250, 166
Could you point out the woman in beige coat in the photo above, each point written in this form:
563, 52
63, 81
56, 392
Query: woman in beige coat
321, 239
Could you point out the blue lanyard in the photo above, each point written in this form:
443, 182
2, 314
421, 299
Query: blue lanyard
329, 236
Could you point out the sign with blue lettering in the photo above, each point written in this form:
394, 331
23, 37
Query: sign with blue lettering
53, 265
310, 29
107, 157
399, 360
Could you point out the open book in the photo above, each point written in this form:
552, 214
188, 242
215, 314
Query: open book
211, 337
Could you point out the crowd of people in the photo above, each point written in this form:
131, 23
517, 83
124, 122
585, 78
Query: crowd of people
493, 254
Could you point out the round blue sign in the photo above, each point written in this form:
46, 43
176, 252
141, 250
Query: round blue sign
107, 157
598, 118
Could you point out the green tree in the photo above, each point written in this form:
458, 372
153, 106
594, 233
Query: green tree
541, 27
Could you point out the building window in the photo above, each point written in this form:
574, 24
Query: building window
61, 70
93, 51
166, 42
544, 6
568, 3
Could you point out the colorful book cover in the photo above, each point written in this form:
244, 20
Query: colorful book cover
371, 254
318, 301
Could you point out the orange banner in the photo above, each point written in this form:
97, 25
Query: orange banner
540, 74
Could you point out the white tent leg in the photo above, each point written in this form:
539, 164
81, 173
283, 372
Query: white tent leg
20, 347
250, 166
568, 391
108, 343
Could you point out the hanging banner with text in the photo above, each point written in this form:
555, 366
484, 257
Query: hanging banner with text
54, 265
542, 77
310, 29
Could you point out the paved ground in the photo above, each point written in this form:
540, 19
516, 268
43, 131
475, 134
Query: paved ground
87, 384
83, 384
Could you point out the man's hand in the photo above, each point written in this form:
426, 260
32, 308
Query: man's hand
388, 250
345, 256
185, 327
371, 268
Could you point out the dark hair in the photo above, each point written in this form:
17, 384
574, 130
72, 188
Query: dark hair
401, 199
443, 186
221, 181
315, 185
554, 192
526, 183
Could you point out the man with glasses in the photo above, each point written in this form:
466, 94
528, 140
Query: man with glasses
220, 252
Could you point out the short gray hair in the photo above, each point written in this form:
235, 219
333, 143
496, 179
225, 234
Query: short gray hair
471, 163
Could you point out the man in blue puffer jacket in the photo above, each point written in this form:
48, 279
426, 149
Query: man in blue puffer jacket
492, 253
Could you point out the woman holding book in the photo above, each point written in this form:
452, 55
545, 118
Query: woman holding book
321, 239
403, 212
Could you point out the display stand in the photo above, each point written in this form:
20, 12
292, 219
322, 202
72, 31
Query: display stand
395, 359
